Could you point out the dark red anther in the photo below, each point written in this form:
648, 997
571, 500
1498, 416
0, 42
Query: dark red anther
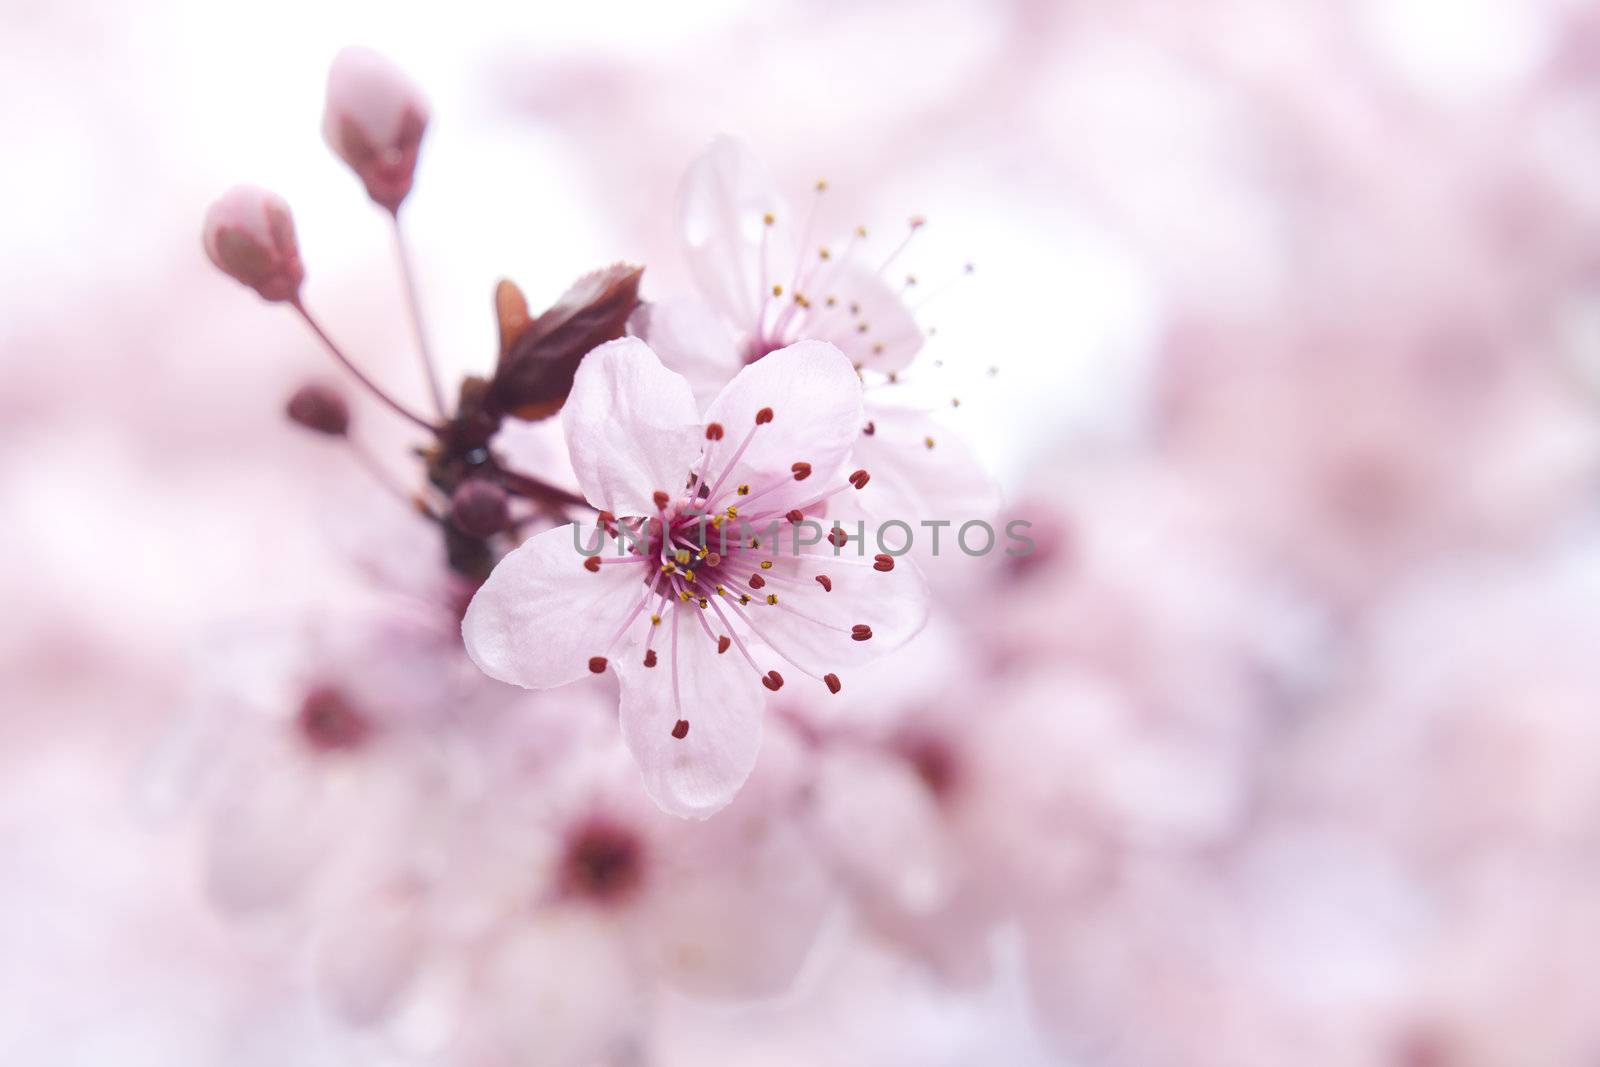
860, 479
826, 583
883, 562
591, 564
772, 680
723, 643
756, 581
861, 632
870, 428
802, 470
680, 729
661, 500
649, 657
713, 431
832, 681
837, 537
763, 416
597, 664
796, 516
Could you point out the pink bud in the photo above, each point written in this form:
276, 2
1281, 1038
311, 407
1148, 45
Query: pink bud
249, 235
320, 409
479, 508
374, 121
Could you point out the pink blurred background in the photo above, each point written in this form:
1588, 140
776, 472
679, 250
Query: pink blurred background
1293, 314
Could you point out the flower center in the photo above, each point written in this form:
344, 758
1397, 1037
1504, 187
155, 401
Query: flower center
604, 862
329, 723
724, 552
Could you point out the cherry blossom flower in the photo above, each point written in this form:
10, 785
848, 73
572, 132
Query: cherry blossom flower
765, 287
704, 518
564, 858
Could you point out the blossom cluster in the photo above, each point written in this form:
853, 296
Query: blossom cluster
1275, 746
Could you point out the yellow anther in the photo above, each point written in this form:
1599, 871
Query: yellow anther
766, 564
772, 598
768, 218
744, 490
777, 290
704, 603
894, 376
688, 576
832, 300
685, 595
822, 185
877, 348
928, 441
744, 598
655, 620
721, 591
733, 512
861, 231
823, 253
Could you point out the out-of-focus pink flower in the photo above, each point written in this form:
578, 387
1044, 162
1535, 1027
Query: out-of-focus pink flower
710, 502
562, 859
374, 120
248, 234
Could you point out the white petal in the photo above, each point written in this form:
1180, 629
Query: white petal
691, 340
722, 206
711, 923
721, 698
861, 297
812, 627
815, 397
631, 427
541, 616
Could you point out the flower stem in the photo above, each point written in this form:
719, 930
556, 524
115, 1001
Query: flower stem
414, 303
343, 359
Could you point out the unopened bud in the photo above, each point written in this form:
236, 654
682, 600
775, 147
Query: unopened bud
479, 508
249, 235
374, 120
320, 408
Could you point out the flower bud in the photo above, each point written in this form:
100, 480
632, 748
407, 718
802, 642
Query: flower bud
249, 235
479, 508
374, 121
319, 408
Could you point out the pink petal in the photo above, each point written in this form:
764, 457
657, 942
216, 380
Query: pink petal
862, 297
632, 428
721, 699
815, 398
913, 481
541, 616
722, 206
709, 924
692, 340
812, 626
368, 956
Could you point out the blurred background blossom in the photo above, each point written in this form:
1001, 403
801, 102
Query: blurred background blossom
1282, 747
